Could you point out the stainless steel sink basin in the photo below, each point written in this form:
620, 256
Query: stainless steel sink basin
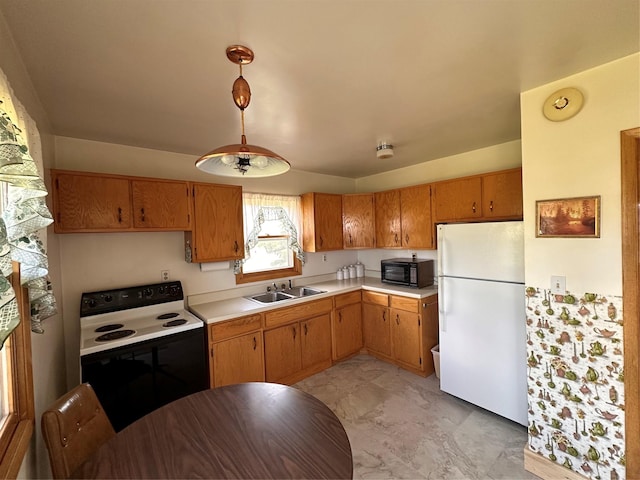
295, 292
271, 297
304, 291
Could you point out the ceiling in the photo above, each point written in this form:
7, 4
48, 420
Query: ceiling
330, 79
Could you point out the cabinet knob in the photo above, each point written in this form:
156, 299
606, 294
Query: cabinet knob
491, 205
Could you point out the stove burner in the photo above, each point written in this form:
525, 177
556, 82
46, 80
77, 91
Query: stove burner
175, 323
115, 335
164, 316
108, 328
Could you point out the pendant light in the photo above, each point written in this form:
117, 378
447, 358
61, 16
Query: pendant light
242, 159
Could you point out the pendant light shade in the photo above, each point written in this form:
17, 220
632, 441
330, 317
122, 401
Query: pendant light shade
242, 159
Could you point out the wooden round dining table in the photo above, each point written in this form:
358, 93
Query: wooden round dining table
247, 430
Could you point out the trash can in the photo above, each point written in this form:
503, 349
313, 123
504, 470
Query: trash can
436, 359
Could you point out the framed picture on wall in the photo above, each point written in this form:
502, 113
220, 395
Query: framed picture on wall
568, 217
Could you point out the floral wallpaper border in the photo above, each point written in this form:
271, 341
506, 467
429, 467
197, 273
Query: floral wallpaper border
576, 381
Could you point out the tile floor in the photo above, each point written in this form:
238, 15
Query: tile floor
402, 426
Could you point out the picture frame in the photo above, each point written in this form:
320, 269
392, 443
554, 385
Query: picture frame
577, 217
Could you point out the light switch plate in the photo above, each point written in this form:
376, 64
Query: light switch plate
558, 284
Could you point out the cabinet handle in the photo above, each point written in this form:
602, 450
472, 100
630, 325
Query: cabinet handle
306, 329
397, 319
340, 317
491, 205
255, 343
395, 238
142, 214
119, 215
406, 238
350, 240
294, 333
235, 246
384, 315
321, 240
473, 207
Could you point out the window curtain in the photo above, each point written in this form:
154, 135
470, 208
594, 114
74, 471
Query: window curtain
266, 214
24, 215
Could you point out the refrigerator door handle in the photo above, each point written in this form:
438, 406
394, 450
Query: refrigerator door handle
441, 306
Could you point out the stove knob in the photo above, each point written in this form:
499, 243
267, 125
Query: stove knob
147, 292
174, 291
92, 302
108, 298
162, 290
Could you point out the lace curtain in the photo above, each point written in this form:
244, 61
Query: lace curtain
266, 214
25, 215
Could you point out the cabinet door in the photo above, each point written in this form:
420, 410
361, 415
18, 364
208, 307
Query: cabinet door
430, 331
161, 205
238, 360
316, 340
458, 199
282, 352
217, 225
91, 203
415, 208
358, 229
406, 337
375, 324
502, 195
347, 330
387, 208
321, 222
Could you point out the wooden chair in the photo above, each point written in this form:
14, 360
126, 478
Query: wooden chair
73, 428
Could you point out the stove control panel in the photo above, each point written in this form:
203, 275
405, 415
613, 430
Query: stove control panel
106, 301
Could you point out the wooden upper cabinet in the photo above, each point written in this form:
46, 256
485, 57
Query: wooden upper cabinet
502, 194
415, 217
217, 231
358, 228
84, 202
161, 205
387, 219
321, 222
459, 199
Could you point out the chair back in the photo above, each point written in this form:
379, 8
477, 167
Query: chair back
73, 428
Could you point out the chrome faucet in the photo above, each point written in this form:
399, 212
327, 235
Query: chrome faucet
275, 287
290, 287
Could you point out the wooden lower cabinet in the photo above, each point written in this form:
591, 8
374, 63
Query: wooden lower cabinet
375, 324
236, 351
347, 325
297, 349
401, 330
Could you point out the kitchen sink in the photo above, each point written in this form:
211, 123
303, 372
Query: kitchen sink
271, 297
303, 291
295, 292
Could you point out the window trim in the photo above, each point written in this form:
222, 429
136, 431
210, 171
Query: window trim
271, 274
15, 438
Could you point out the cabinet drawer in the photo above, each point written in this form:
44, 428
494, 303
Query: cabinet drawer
232, 328
347, 298
285, 315
375, 298
405, 303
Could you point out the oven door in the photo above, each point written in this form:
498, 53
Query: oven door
134, 380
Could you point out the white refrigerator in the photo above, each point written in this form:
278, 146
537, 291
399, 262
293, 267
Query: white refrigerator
482, 316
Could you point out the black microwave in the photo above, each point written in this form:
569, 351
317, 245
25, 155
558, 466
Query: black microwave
407, 272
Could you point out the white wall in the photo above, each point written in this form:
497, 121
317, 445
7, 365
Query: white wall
489, 159
579, 157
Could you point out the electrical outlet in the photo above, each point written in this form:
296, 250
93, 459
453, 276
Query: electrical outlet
164, 275
324, 257
558, 284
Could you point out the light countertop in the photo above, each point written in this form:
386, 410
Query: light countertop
221, 310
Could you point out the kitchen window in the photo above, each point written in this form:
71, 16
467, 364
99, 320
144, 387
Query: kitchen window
272, 241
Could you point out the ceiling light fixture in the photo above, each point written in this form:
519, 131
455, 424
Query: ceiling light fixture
384, 150
242, 159
563, 104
